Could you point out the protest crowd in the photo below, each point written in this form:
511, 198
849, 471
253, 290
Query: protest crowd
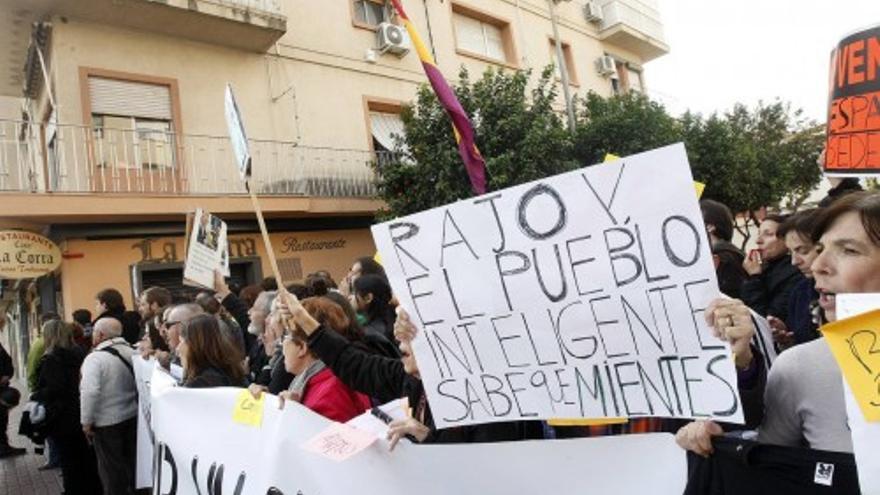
340, 348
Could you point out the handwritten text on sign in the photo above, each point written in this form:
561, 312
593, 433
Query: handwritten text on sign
580, 295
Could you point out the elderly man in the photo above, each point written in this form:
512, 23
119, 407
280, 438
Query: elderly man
259, 356
108, 397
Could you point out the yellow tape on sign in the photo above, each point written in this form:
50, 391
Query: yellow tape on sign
855, 343
248, 411
698, 186
587, 421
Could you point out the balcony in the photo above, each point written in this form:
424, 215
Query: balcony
635, 26
79, 159
252, 25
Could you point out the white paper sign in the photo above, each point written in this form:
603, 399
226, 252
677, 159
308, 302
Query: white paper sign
237, 136
201, 450
206, 250
865, 435
579, 295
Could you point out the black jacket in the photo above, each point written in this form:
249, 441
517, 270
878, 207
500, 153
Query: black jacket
239, 312
375, 338
769, 292
58, 390
730, 271
385, 379
212, 377
131, 323
6, 368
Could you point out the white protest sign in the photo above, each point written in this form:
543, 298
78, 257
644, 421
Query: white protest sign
236, 135
865, 435
143, 372
575, 296
201, 450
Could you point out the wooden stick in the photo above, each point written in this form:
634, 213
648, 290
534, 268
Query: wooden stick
269, 251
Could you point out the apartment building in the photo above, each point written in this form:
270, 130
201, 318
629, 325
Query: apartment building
112, 121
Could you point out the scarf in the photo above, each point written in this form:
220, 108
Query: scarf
298, 385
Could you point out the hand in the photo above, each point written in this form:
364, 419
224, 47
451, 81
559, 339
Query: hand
287, 395
752, 263
88, 432
731, 321
4, 381
781, 335
292, 311
220, 286
164, 359
402, 427
257, 390
697, 436
404, 330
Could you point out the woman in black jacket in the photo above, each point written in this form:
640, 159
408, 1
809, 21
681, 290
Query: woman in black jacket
373, 297
388, 379
209, 359
58, 390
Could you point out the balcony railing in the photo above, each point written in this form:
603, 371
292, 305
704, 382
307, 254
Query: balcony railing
80, 159
635, 25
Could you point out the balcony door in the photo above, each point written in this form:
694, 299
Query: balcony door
134, 141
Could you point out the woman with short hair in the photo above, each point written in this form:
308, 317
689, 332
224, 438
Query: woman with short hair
804, 399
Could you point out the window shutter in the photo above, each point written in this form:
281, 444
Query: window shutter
384, 126
129, 98
469, 34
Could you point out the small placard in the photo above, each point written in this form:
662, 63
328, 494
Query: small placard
248, 410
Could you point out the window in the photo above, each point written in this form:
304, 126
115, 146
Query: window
569, 61
480, 35
132, 122
386, 129
369, 13
628, 79
635, 80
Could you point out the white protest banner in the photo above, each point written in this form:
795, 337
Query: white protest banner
865, 435
201, 450
143, 372
575, 296
236, 135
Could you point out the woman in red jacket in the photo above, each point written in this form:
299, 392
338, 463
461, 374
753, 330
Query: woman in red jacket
315, 386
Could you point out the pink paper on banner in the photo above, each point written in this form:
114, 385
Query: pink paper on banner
339, 442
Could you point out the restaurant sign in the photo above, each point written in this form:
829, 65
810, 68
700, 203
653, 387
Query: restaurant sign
26, 255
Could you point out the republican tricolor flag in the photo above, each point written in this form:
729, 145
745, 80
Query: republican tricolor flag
461, 125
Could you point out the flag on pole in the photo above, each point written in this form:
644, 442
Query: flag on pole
461, 125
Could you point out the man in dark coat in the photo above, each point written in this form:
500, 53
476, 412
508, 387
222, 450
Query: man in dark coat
727, 257
109, 304
6, 374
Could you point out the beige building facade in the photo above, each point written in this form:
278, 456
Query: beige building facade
112, 120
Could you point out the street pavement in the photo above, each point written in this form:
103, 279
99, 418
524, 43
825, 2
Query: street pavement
19, 475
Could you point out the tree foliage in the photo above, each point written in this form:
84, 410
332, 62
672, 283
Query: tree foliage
748, 158
519, 134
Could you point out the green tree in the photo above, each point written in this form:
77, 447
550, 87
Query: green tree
754, 158
518, 132
623, 125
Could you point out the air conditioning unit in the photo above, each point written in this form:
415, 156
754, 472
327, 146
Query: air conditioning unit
606, 66
392, 38
593, 12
